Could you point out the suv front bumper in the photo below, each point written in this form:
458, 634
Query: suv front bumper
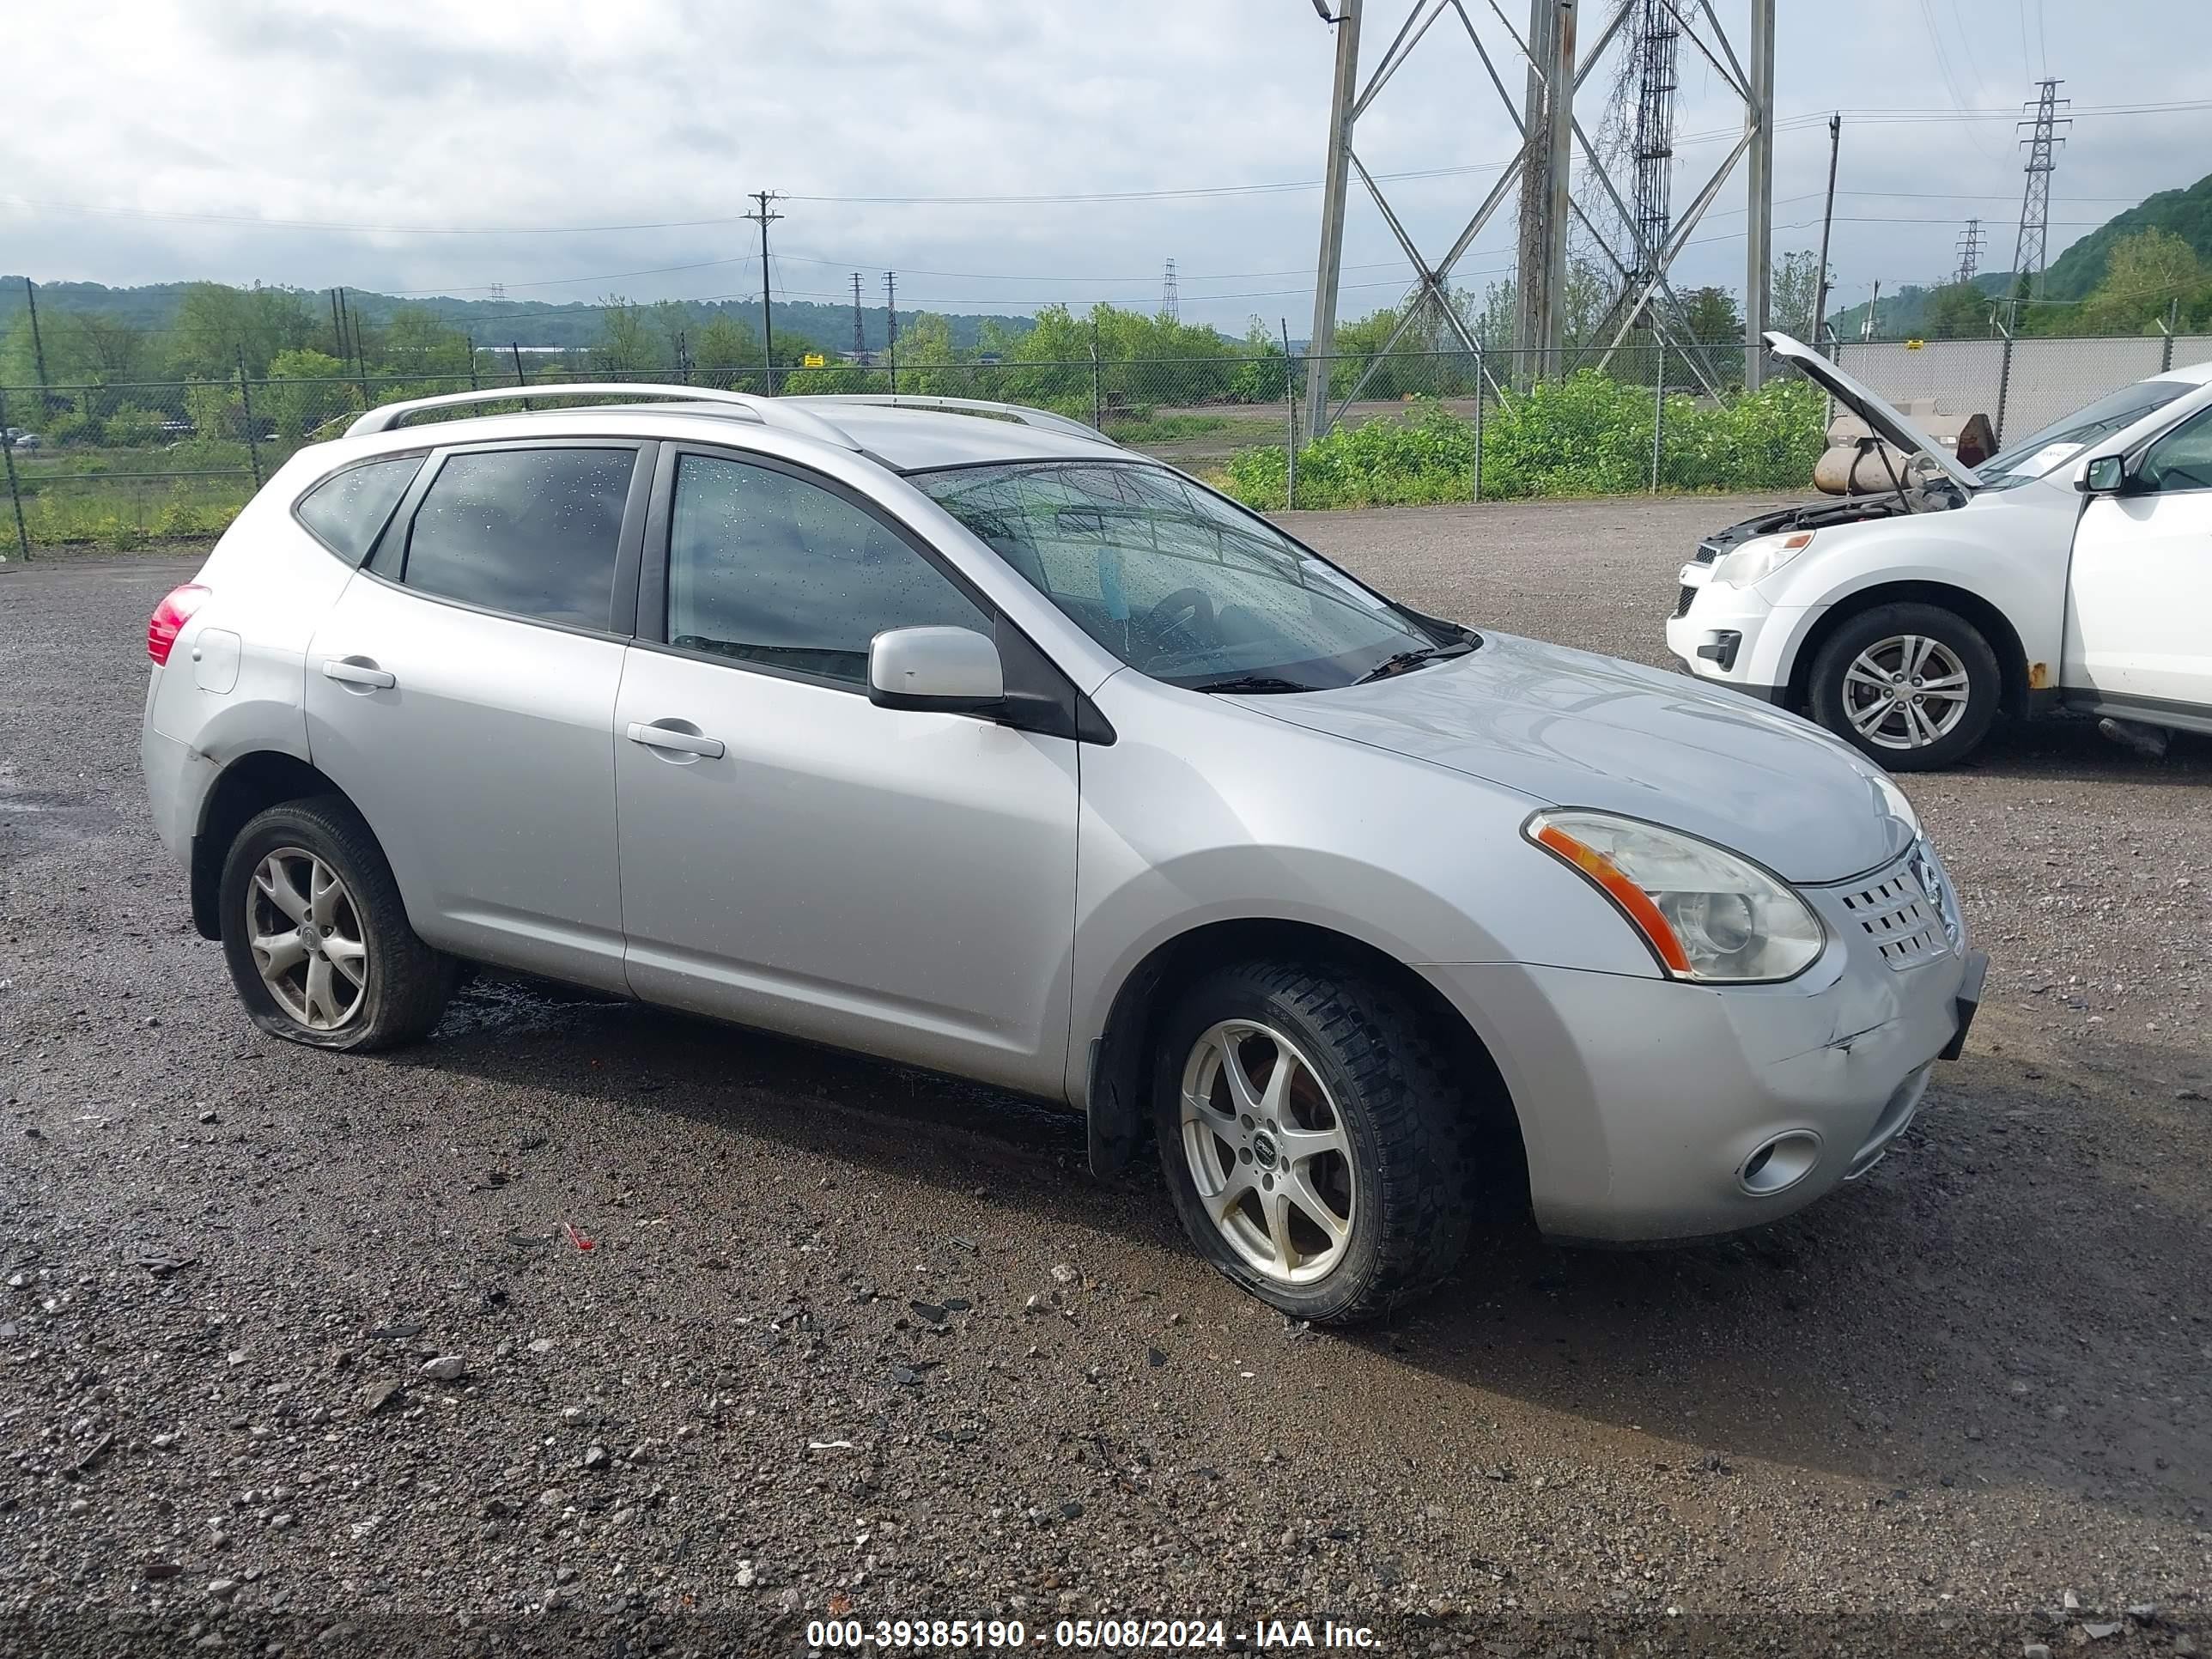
1644, 1102
1731, 637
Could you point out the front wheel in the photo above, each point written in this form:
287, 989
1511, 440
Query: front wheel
1314, 1135
316, 934
1914, 686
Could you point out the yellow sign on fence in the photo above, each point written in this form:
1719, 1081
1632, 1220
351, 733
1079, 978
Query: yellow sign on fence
812, 359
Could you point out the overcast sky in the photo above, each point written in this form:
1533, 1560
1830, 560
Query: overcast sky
586, 149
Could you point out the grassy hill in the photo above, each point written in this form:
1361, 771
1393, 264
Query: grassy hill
2187, 213
496, 322
2074, 274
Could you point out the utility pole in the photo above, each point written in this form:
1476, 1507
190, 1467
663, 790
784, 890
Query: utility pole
761, 217
1758, 223
38, 343
2043, 140
1827, 219
1970, 251
1336, 176
890, 303
1170, 307
338, 329
860, 332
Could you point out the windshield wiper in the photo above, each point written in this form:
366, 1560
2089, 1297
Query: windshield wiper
1251, 682
1414, 659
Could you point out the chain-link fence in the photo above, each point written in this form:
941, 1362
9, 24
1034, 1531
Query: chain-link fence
121, 464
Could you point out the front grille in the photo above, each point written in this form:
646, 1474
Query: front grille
1707, 552
1896, 914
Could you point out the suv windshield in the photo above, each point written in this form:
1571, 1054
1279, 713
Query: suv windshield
1180, 583
2037, 453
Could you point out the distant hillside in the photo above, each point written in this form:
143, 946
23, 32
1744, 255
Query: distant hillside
2072, 276
1905, 312
499, 322
2186, 213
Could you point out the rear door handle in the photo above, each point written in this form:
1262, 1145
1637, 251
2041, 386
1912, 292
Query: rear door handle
668, 737
354, 672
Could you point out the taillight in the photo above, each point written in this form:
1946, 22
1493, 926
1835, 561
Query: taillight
169, 618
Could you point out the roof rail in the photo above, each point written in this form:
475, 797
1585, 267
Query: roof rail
1022, 412
768, 411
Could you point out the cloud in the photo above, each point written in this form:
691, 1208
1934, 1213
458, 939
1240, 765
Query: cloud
501, 118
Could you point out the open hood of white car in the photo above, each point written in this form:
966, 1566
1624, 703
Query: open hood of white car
1870, 406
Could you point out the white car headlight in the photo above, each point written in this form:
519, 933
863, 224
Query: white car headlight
1706, 912
1755, 561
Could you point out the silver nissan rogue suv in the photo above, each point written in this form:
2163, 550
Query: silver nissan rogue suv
957, 734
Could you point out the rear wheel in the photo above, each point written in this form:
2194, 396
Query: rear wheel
316, 935
1914, 685
1314, 1135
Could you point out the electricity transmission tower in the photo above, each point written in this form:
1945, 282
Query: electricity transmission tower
1552, 65
1970, 251
1168, 307
761, 217
860, 334
2042, 141
1655, 51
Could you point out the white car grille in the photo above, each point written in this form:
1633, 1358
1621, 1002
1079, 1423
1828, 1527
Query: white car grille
1900, 915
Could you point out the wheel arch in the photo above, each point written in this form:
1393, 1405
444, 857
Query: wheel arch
1120, 1060
248, 785
1992, 623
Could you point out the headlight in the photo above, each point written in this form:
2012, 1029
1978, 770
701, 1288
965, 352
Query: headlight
1754, 562
1706, 914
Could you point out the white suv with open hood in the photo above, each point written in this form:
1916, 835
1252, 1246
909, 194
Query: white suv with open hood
2073, 570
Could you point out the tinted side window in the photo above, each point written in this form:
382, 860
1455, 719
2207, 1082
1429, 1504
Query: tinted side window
348, 509
531, 532
2182, 459
767, 567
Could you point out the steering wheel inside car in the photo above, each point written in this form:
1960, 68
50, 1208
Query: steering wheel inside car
1183, 612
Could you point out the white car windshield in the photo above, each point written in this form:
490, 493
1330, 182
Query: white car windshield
2065, 438
1183, 585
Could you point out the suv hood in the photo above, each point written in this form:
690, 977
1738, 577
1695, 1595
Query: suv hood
1870, 406
1570, 728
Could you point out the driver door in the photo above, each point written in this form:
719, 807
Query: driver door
2139, 610
797, 857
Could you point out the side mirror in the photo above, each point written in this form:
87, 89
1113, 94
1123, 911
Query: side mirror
955, 671
2102, 475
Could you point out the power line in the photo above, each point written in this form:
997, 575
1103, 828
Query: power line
1811, 119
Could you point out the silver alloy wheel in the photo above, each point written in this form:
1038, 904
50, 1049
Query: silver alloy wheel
1906, 692
1268, 1151
308, 940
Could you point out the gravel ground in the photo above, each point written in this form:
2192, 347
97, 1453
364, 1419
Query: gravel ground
286, 1340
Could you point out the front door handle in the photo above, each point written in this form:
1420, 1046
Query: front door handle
357, 670
670, 736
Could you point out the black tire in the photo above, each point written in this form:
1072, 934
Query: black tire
406, 982
1410, 1116
1869, 629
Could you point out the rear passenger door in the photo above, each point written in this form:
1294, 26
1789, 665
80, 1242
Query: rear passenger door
462, 693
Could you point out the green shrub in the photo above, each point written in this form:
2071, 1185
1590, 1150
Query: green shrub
1585, 435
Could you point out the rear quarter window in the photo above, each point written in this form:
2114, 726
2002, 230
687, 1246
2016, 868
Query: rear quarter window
348, 510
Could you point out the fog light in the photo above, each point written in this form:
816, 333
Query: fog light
1780, 1162
1720, 649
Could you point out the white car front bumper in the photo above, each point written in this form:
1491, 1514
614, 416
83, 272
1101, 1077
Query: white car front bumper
1732, 636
